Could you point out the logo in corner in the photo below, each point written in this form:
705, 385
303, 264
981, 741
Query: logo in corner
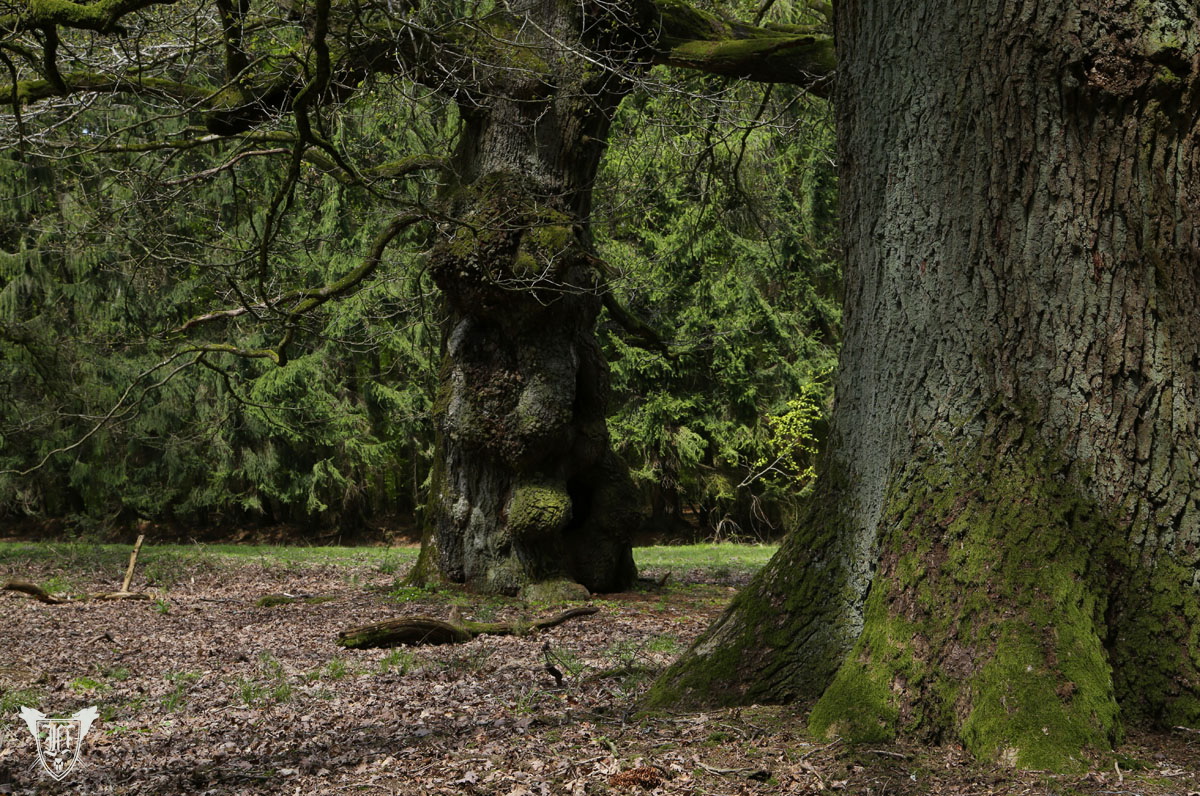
59, 740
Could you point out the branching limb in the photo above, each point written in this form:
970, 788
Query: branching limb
200, 175
29, 91
308, 299
103, 16
121, 406
643, 335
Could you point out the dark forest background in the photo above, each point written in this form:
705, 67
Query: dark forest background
715, 216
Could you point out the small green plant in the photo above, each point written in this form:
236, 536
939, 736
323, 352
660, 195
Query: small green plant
270, 666
281, 691
161, 606
251, 692
399, 660
665, 644
336, 669
792, 444
85, 684
12, 701
485, 612
272, 686
390, 565
165, 568
118, 673
177, 696
631, 665
528, 700
409, 594
567, 661
472, 662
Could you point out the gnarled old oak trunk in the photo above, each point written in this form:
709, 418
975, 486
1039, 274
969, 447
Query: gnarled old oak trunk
526, 487
1005, 549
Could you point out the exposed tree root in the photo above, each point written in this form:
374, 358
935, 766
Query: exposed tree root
418, 630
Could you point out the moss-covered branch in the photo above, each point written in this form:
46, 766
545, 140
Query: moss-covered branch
418, 630
102, 16
392, 170
29, 91
306, 299
693, 39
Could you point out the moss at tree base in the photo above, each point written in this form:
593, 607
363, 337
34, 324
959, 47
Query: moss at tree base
554, 591
985, 619
783, 636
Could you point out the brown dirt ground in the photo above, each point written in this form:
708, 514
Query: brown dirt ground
205, 692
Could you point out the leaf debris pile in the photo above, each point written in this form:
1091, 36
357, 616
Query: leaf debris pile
204, 691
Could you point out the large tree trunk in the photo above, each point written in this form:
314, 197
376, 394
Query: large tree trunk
526, 487
1005, 548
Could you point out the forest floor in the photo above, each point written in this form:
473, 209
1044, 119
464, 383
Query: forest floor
203, 690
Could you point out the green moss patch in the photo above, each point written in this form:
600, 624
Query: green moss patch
536, 510
985, 618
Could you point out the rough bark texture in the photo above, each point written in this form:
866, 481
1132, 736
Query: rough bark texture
1006, 547
527, 488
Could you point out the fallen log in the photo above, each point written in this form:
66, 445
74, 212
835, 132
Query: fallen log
33, 590
419, 630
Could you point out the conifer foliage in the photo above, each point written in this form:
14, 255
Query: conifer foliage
216, 303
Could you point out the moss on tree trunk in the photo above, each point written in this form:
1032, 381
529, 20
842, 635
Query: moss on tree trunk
526, 488
1007, 532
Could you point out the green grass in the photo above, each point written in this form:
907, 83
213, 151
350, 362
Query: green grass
705, 556
86, 684
336, 669
118, 673
11, 701
163, 564
273, 686
401, 661
176, 698
158, 561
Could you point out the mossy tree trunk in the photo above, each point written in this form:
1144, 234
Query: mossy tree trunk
1006, 545
526, 488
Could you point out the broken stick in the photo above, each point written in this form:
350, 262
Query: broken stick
125, 593
132, 562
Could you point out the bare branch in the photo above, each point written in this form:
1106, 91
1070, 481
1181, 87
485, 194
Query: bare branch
309, 299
